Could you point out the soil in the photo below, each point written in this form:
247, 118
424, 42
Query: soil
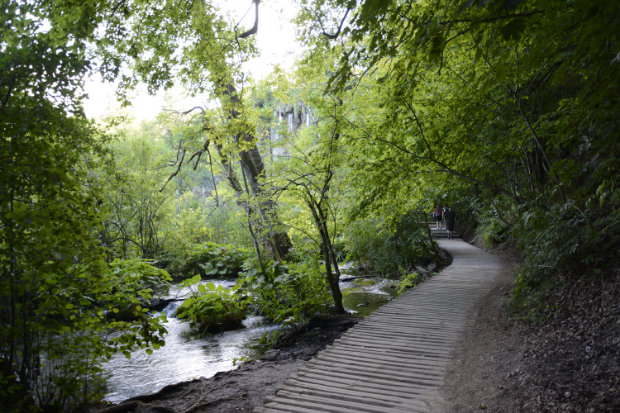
567, 363
246, 387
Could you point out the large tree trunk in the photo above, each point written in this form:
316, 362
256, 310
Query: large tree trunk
250, 158
253, 168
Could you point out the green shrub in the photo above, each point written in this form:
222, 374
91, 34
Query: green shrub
137, 274
494, 233
561, 241
379, 250
139, 279
287, 294
408, 281
211, 260
271, 338
212, 309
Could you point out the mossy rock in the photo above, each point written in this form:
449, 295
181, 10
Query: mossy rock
364, 282
214, 325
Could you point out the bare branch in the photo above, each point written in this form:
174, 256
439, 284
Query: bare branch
175, 172
335, 36
185, 112
254, 29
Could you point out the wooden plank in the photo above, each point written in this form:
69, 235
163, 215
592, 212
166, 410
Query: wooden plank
412, 361
391, 367
345, 380
362, 392
354, 377
395, 352
374, 388
385, 345
359, 403
394, 360
407, 377
419, 333
302, 406
389, 331
396, 363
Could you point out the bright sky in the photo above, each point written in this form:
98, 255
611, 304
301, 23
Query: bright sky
275, 40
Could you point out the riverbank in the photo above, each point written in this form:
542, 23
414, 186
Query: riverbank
245, 387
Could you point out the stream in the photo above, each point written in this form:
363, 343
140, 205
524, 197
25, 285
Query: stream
185, 357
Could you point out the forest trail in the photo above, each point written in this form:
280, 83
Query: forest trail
395, 359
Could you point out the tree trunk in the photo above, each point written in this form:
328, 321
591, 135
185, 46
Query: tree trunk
327, 248
253, 169
430, 235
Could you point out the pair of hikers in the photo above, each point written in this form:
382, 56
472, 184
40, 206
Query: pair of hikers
449, 218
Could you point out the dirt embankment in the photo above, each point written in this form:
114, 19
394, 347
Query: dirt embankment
568, 363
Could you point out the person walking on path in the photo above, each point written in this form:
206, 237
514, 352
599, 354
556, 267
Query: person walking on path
438, 216
450, 217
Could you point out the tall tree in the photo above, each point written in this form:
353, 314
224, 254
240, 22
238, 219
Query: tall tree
489, 93
511, 103
54, 282
191, 43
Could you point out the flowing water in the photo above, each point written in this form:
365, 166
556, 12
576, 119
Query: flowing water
365, 295
185, 357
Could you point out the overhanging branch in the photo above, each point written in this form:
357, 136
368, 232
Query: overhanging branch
334, 36
254, 29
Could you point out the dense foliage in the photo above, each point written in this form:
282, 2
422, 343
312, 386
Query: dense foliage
213, 260
212, 309
380, 250
55, 285
287, 294
507, 110
408, 281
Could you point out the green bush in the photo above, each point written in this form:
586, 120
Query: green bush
561, 241
287, 294
137, 274
379, 250
212, 309
139, 279
408, 281
494, 232
211, 260
84, 316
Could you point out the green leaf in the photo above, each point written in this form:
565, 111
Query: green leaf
513, 30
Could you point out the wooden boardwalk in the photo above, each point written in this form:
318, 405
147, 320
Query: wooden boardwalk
395, 359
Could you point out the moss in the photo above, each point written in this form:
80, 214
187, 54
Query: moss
364, 282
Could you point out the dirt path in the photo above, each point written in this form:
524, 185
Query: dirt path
486, 353
570, 362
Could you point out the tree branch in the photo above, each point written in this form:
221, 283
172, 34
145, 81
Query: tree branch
334, 36
254, 29
175, 172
